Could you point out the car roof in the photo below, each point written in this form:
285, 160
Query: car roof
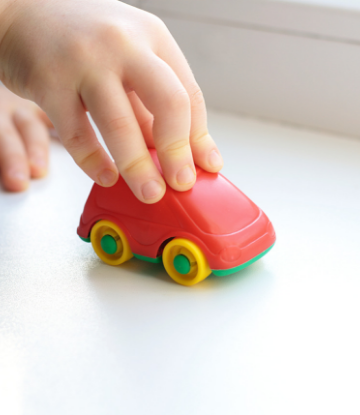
214, 203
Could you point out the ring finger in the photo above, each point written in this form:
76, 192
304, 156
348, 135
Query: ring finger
36, 139
15, 171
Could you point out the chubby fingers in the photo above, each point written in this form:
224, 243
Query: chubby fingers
144, 118
14, 165
165, 97
112, 112
35, 137
72, 124
44, 118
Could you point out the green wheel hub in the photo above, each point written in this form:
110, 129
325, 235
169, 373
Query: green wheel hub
108, 244
182, 264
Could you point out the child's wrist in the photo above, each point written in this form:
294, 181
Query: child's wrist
8, 12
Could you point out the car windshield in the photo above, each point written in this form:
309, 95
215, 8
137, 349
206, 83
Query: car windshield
217, 206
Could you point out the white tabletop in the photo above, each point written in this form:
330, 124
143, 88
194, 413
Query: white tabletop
280, 337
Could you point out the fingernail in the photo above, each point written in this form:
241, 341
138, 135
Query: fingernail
107, 177
39, 162
151, 190
186, 175
215, 159
18, 176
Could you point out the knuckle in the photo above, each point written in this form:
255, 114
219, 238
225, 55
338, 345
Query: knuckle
141, 163
178, 99
119, 124
75, 142
196, 97
23, 117
113, 35
110, 32
89, 159
79, 48
175, 147
201, 138
156, 22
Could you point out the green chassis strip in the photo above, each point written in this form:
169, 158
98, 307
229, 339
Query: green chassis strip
217, 272
157, 260
85, 239
223, 272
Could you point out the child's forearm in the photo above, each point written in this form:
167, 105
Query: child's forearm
7, 13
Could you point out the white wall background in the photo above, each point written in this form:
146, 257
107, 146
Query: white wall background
295, 62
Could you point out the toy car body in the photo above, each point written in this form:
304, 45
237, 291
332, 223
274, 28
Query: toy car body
213, 227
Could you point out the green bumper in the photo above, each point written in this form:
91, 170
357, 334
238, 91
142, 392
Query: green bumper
223, 272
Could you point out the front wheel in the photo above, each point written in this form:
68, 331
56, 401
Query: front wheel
185, 262
110, 243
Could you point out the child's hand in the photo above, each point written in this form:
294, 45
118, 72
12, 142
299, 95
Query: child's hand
24, 141
122, 65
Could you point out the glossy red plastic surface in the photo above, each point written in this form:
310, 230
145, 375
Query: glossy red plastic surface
228, 227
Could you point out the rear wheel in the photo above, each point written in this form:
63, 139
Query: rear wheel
110, 243
185, 262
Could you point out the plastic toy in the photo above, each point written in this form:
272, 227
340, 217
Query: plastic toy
213, 227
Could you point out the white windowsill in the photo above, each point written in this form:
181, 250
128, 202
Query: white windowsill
308, 18
337, 4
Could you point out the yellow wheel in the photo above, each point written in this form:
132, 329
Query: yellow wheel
110, 243
185, 262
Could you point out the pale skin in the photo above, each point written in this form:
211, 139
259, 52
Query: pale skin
123, 66
24, 141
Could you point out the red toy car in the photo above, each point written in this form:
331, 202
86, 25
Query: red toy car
213, 227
